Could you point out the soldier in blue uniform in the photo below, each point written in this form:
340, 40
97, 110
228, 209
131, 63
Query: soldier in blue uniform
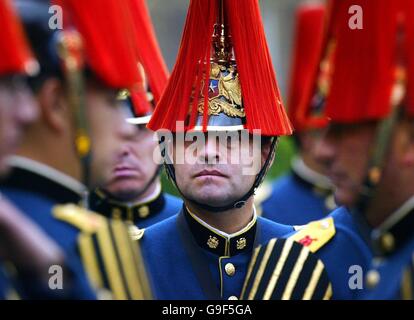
369, 142
305, 193
24, 247
78, 105
134, 191
204, 251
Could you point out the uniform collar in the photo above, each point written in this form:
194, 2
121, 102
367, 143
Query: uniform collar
219, 242
318, 183
396, 230
101, 202
39, 178
306, 175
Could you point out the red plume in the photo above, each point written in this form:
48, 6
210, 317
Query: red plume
107, 29
261, 97
309, 37
15, 55
140, 102
408, 10
149, 52
364, 62
260, 94
187, 74
310, 113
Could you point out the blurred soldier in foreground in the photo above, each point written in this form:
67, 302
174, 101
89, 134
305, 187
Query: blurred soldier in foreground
369, 144
235, 114
78, 106
23, 247
134, 192
305, 194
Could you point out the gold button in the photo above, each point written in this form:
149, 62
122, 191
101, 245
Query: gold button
375, 175
116, 213
388, 242
233, 298
143, 211
230, 269
372, 279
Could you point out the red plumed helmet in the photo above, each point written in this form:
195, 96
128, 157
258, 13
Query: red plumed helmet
364, 62
408, 19
107, 30
225, 81
15, 55
309, 35
153, 68
361, 73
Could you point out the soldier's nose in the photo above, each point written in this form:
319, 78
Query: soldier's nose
210, 153
325, 150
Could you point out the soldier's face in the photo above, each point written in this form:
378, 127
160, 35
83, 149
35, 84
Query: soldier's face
309, 140
218, 179
108, 128
346, 150
134, 167
17, 110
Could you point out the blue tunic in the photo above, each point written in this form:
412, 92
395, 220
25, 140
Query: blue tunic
175, 252
36, 196
393, 282
198, 264
391, 272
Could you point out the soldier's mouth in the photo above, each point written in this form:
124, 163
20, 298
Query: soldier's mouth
205, 173
122, 171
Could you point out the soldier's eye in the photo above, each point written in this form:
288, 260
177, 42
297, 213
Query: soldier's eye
233, 140
13, 83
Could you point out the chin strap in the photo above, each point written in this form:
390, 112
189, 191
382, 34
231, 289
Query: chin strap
154, 177
169, 168
70, 50
374, 172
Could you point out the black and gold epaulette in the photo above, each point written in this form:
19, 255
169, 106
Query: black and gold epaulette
316, 234
285, 270
110, 254
84, 220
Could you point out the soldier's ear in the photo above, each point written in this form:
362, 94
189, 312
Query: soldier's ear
53, 105
266, 148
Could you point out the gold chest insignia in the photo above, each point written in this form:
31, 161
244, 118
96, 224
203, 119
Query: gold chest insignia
241, 243
212, 242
